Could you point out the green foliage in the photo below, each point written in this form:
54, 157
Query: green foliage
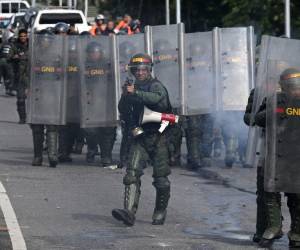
267, 16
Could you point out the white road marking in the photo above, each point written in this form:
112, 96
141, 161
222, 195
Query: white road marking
16, 236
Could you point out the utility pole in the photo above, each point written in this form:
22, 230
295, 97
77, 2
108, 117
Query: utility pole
167, 12
178, 11
287, 18
86, 7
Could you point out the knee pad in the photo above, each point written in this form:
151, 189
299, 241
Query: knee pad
52, 128
130, 179
161, 182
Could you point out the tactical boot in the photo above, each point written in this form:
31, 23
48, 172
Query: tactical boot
52, 148
64, 147
78, 148
205, 162
294, 234
261, 220
37, 161
21, 108
64, 158
274, 228
106, 162
217, 144
231, 150
193, 164
106, 145
90, 157
161, 203
192, 144
38, 139
131, 201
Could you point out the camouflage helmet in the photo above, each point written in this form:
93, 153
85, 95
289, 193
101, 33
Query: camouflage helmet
290, 78
45, 36
94, 47
127, 49
94, 51
61, 28
140, 60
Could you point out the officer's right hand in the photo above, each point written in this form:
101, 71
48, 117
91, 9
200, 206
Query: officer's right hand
130, 88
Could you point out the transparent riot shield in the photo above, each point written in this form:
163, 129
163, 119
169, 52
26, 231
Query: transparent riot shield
127, 46
234, 51
271, 48
282, 172
97, 82
166, 51
47, 93
73, 76
199, 85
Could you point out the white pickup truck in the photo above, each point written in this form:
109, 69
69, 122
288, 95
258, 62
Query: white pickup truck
49, 17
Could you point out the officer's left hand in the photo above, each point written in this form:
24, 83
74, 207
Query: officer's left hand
130, 88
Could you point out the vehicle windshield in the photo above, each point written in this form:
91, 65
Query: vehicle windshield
4, 22
19, 20
53, 18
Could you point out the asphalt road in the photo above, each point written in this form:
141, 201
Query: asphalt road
70, 207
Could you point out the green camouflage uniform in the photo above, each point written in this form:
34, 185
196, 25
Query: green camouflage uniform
21, 69
272, 202
150, 146
6, 67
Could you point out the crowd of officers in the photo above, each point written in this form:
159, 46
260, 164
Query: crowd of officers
204, 135
201, 132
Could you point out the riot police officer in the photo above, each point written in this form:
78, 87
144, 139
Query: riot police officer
285, 124
45, 41
61, 28
71, 133
66, 132
6, 67
261, 220
151, 93
20, 63
103, 136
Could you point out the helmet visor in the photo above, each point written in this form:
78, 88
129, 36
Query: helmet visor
142, 67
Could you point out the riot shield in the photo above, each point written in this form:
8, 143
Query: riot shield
47, 93
73, 76
282, 172
97, 82
234, 50
166, 52
127, 46
271, 48
199, 85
